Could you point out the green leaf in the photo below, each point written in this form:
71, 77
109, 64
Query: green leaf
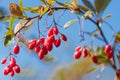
12, 19
101, 5
33, 10
102, 59
6, 18
8, 37
89, 5
83, 8
69, 23
117, 36
87, 14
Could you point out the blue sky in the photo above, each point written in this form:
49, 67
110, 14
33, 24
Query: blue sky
39, 69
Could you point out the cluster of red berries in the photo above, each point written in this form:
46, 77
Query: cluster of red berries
108, 51
44, 45
12, 67
84, 52
80, 51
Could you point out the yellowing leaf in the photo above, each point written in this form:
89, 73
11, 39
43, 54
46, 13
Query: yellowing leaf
75, 1
33, 10
69, 23
87, 14
92, 70
43, 10
15, 9
117, 37
51, 2
21, 5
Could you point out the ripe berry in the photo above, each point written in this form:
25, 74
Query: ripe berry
37, 49
30, 41
64, 38
94, 59
77, 54
50, 32
16, 49
57, 42
118, 74
12, 73
6, 70
40, 41
12, 62
55, 30
16, 69
32, 45
85, 52
3, 61
41, 54
107, 48
110, 54
77, 48
48, 46
50, 39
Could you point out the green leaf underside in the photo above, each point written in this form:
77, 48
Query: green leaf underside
69, 23
101, 5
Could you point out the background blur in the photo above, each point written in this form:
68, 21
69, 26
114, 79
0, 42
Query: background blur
59, 65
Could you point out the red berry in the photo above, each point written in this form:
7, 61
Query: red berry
7, 70
110, 54
37, 49
57, 42
3, 61
118, 74
64, 38
107, 48
77, 54
30, 41
85, 52
94, 59
40, 41
32, 45
16, 49
12, 62
50, 32
50, 39
12, 73
41, 54
48, 46
55, 30
77, 48
16, 69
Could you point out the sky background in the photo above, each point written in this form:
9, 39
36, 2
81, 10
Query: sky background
41, 70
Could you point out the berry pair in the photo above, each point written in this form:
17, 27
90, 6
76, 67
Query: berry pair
108, 51
80, 51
